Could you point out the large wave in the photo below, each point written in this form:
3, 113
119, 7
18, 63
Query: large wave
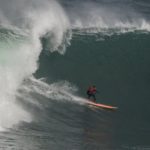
22, 25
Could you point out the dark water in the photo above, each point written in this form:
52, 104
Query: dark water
119, 67
47, 65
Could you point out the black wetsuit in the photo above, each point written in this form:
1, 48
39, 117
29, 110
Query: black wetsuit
91, 95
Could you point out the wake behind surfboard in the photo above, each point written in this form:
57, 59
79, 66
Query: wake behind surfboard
98, 105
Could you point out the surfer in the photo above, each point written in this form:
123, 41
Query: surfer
91, 93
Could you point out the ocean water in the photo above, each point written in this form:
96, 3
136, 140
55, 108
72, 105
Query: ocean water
51, 51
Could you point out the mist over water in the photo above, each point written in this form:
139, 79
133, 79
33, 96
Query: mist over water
122, 15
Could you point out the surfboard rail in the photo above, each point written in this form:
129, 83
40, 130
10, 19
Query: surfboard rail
104, 106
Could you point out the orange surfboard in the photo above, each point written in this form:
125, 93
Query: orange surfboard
102, 105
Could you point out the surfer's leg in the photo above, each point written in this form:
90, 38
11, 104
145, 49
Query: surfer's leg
94, 98
89, 96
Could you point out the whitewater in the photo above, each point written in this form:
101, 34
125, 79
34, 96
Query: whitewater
21, 31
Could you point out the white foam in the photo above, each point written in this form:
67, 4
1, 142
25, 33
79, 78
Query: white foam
19, 55
100, 16
62, 91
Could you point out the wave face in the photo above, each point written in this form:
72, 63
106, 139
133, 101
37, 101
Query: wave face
51, 51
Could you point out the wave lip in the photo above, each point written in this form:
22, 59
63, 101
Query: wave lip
107, 16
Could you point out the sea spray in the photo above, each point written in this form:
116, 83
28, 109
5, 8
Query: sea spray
102, 16
30, 21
